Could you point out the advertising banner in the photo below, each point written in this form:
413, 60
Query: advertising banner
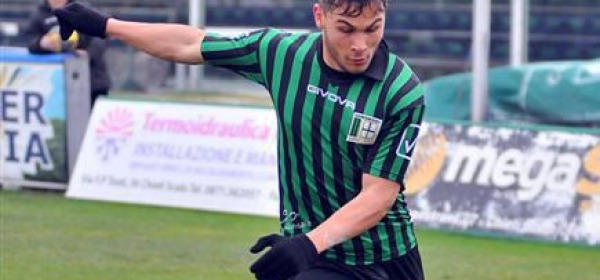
32, 123
520, 183
510, 182
192, 156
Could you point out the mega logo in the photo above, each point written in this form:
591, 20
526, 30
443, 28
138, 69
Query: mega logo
526, 170
531, 172
113, 132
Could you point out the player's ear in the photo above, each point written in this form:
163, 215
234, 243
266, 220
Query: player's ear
319, 15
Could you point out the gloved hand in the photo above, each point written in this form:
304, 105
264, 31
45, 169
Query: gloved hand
287, 257
76, 16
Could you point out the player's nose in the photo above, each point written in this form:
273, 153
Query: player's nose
359, 44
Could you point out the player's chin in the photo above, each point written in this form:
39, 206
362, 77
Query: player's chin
357, 67
352, 69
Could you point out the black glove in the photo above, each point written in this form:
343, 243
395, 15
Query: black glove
76, 16
287, 257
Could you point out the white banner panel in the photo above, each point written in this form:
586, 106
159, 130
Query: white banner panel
205, 157
32, 122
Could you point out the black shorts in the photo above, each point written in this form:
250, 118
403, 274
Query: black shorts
407, 267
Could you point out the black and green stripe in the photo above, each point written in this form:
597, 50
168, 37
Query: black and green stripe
319, 170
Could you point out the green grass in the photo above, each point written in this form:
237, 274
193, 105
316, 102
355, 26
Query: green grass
45, 236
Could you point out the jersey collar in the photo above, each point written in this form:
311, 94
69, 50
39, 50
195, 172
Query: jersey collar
376, 69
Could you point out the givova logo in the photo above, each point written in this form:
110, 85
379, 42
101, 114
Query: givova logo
113, 132
331, 97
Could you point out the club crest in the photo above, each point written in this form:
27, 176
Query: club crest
364, 129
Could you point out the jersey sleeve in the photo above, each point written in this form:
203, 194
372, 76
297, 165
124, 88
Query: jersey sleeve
391, 154
239, 54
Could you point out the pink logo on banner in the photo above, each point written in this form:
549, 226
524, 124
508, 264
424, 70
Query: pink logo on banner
113, 132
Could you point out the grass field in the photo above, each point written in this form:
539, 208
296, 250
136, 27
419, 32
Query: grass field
47, 237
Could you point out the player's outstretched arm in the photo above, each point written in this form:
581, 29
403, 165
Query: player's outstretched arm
174, 42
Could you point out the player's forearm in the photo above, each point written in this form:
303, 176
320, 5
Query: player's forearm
356, 217
174, 42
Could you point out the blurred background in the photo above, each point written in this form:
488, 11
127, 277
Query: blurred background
434, 36
530, 170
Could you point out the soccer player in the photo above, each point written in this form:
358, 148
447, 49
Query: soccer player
349, 113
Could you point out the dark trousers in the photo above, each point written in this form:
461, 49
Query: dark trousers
407, 267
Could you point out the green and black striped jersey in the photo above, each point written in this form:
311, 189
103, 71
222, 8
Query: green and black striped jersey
332, 128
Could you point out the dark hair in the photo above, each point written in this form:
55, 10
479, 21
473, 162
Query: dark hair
352, 8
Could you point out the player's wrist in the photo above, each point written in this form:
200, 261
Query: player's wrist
113, 27
308, 247
318, 242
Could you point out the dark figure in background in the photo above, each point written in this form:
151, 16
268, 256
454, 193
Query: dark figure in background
43, 26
